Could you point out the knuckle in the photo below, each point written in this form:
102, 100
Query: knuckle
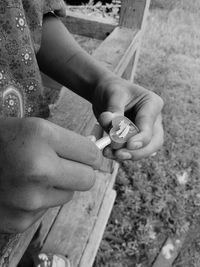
35, 126
39, 168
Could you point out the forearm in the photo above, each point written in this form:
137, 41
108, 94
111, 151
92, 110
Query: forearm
61, 58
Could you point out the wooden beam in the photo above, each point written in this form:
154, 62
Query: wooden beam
89, 26
112, 53
92, 246
133, 13
128, 55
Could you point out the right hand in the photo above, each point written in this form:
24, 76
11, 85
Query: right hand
41, 165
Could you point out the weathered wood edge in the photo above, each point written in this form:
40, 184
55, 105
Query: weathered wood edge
112, 52
89, 26
124, 62
142, 25
95, 238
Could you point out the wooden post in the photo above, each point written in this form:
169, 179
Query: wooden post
134, 15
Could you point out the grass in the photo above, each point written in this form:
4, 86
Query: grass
160, 196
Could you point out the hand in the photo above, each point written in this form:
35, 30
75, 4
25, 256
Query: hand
115, 96
41, 165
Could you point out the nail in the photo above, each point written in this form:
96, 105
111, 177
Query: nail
124, 155
136, 145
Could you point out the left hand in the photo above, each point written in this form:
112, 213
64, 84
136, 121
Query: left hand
115, 96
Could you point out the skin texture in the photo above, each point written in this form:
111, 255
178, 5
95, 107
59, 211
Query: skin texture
41, 166
40, 162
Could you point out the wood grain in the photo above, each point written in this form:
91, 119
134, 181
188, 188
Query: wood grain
89, 26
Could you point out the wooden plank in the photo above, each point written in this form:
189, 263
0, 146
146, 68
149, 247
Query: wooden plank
128, 72
95, 238
73, 225
90, 252
142, 26
128, 55
133, 13
170, 251
113, 49
90, 26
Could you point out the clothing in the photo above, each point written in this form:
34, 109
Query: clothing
21, 90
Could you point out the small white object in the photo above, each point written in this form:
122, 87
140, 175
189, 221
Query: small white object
123, 129
182, 178
103, 142
167, 251
58, 262
43, 257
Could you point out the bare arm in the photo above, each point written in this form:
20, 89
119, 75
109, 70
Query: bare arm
61, 58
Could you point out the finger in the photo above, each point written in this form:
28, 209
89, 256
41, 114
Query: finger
56, 197
105, 119
37, 198
115, 107
117, 101
72, 146
151, 148
148, 112
146, 125
72, 176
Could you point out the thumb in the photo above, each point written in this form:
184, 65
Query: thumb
114, 108
105, 118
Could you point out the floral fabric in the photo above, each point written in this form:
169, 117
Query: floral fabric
20, 37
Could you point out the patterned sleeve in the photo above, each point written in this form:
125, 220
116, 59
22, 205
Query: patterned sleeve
56, 6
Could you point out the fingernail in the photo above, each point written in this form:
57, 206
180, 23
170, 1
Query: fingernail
136, 145
124, 155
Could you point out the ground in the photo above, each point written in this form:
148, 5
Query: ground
160, 196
